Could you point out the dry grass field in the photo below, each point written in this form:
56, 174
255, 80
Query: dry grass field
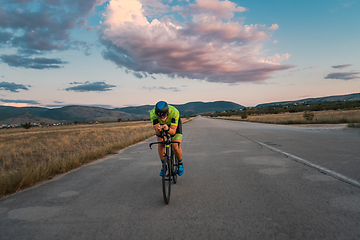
30, 156
323, 117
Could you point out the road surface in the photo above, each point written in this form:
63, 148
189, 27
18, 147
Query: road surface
234, 187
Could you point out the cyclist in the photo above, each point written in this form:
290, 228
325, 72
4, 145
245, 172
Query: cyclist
167, 117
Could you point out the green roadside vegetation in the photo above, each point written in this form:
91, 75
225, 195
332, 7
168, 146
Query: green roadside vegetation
298, 113
291, 108
354, 125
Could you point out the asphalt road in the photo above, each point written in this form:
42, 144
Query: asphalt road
234, 187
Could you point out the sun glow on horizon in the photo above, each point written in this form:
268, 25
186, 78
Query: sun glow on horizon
15, 104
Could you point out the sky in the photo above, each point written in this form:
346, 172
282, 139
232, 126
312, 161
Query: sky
122, 53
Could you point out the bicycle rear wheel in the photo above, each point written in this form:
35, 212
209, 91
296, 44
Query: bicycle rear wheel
166, 179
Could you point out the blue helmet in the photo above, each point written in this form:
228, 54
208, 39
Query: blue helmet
161, 108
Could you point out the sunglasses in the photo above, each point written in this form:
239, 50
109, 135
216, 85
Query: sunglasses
162, 116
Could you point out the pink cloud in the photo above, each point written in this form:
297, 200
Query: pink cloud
274, 27
205, 48
209, 27
224, 9
90, 28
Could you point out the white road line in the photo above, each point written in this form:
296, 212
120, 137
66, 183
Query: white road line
320, 168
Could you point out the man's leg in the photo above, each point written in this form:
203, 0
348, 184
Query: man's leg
177, 149
178, 154
161, 151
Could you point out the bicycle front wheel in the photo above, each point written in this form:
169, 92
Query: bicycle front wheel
166, 179
174, 165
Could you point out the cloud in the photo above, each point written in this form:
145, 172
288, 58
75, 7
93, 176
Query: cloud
90, 28
88, 105
342, 66
91, 87
303, 69
54, 105
43, 26
34, 63
348, 3
33, 102
101, 106
274, 27
5, 37
342, 75
208, 46
224, 9
57, 104
13, 87
138, 75
174, 89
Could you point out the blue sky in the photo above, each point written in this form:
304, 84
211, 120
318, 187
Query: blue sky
134, 52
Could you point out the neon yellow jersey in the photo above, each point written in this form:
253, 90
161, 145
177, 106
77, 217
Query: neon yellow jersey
172, 118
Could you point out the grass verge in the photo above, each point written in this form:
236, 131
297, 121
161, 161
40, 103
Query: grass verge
30, 156
320, 117
354, 125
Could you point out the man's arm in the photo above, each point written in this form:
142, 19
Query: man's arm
157, 129
171, 130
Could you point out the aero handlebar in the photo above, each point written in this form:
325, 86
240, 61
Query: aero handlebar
166, 139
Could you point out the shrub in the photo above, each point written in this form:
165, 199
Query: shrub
309, 116
27, 125
244, 114
354, 125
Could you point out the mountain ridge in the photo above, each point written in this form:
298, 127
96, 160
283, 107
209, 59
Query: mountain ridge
17, 115
346, 97
71, 113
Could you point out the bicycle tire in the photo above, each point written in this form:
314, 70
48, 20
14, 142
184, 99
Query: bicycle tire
174, 164
166, 179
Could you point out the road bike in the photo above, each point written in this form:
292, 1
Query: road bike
170, 165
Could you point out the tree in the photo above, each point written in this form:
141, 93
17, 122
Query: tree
27, 125
244, 114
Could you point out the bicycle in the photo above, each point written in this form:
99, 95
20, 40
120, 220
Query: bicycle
170, 165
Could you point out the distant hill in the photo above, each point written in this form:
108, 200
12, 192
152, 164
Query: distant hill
13, 115
201, 107
21, 118
348, 97
19, 110
142, 110
17, 115
87, 114
190, 108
